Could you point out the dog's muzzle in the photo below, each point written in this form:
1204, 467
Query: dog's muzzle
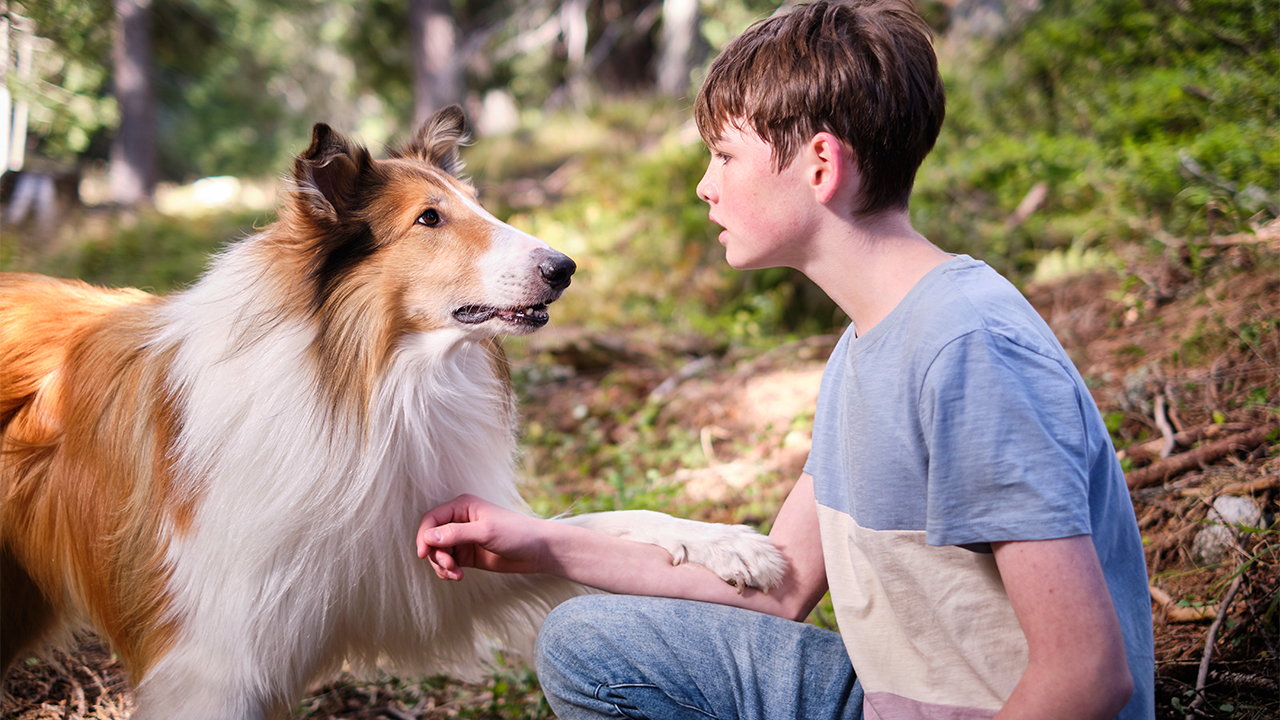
556, 270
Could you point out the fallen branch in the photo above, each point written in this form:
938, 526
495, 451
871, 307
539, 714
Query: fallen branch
1146, 453
395, 712
1247, 487
1166, 429
764, 359
688, 370
1212, 635
1244, 239
1268, 233
1258, 682
1032, 202
1175, 613
1176, 465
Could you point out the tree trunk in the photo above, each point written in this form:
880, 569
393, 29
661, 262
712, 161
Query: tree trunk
675, 54
133, 152
437, 71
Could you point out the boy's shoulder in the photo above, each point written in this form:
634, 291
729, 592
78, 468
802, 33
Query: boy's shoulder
965, 300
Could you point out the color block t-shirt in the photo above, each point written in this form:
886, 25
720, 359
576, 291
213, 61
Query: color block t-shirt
956, 422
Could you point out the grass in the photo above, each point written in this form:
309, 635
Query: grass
145, 249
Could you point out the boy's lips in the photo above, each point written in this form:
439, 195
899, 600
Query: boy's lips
722, 236
719, 237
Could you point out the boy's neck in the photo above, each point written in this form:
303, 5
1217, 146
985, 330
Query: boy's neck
869, 264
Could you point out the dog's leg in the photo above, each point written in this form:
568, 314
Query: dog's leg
737, 553
215, 681
199, 700
25, 615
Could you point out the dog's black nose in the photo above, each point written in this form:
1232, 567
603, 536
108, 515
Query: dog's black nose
556, 269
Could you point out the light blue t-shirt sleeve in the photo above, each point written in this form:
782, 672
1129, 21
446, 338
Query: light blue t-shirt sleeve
1007, 444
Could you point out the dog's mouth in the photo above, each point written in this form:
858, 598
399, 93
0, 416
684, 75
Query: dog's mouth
532, 316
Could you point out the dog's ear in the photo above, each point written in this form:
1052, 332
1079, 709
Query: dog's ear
438, 139
330, 172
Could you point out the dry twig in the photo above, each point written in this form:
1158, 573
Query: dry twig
1183, 462
1142, 454
1175, 613
1203, 675
1166, 430
1246, 487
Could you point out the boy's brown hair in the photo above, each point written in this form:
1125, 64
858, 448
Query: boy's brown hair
864, 71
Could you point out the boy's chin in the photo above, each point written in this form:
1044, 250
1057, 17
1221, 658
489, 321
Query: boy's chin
752, 256
741, 262
736, 259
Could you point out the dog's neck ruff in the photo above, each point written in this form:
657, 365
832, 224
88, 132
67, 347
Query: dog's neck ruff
245, 377
301, 503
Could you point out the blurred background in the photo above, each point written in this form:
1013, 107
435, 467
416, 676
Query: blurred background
1072, 127
1119, 160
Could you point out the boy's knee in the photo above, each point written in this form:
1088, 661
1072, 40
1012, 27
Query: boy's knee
568, 632
571, 650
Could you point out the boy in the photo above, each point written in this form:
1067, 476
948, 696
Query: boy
962, 499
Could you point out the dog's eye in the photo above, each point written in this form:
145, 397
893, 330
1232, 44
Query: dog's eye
430, 218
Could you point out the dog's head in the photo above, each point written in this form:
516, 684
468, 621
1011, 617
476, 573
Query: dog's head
407, 236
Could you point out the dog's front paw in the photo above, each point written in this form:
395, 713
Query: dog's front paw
741, 556
738, 554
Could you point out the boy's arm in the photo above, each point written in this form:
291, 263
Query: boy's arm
1076, 658
470, 532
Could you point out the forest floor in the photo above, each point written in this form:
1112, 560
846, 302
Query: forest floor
1183, 359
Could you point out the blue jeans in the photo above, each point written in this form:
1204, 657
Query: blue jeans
644, 657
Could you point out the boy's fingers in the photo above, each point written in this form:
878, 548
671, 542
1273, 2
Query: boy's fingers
455, 513
445, 564
427, 532
446, 513
446, 535
441, 558
459, 532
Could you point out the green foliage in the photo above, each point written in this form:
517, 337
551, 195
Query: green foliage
237, 83
66, 92
1137, 115
222, 102
631, 217
151, 251
1133, 112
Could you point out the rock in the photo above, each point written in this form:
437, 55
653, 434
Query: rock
1214, 542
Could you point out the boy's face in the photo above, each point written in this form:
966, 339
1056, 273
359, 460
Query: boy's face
766, 215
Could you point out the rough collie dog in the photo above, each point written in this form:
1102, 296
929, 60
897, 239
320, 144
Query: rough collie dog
227, 482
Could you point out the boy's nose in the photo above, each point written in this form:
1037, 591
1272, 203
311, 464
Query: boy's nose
707, 190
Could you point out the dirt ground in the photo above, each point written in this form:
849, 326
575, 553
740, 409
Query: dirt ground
1183, 364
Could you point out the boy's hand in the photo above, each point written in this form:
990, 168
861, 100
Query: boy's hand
470, 532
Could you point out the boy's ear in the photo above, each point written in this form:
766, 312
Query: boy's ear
831, 169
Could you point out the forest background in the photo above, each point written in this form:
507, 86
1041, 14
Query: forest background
1118, 159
